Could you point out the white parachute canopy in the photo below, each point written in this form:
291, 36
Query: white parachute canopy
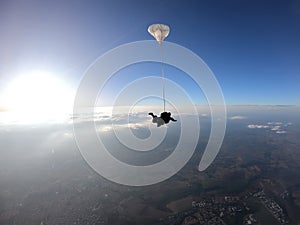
159, 31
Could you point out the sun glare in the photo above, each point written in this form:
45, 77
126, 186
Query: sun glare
38, 95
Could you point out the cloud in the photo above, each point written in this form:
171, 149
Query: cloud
277, 127
122, 121
105, 128
256, 126
280, 132
275, 123
237, 118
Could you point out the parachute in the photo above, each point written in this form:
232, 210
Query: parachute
160, 32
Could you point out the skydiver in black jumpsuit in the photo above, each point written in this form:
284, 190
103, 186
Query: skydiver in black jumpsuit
164, 118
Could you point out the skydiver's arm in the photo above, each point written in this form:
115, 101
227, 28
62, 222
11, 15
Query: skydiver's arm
151, 114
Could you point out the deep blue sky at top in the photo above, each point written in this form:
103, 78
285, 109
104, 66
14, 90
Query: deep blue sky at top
253, 47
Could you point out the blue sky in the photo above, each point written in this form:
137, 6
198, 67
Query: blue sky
252, 47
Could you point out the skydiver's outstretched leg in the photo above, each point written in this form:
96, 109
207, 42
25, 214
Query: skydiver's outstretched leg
171, 118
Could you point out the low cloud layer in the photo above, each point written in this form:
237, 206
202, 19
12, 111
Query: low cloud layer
277, 127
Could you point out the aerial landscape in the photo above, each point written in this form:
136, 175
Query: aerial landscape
82, 88
254, 178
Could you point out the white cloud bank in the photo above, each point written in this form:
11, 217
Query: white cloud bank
277, 127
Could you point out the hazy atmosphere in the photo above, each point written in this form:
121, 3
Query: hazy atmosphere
149, 112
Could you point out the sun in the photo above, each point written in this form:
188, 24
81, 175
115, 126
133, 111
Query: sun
37, 94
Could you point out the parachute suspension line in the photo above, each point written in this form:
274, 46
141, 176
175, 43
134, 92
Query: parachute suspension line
162, 75
160, 32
